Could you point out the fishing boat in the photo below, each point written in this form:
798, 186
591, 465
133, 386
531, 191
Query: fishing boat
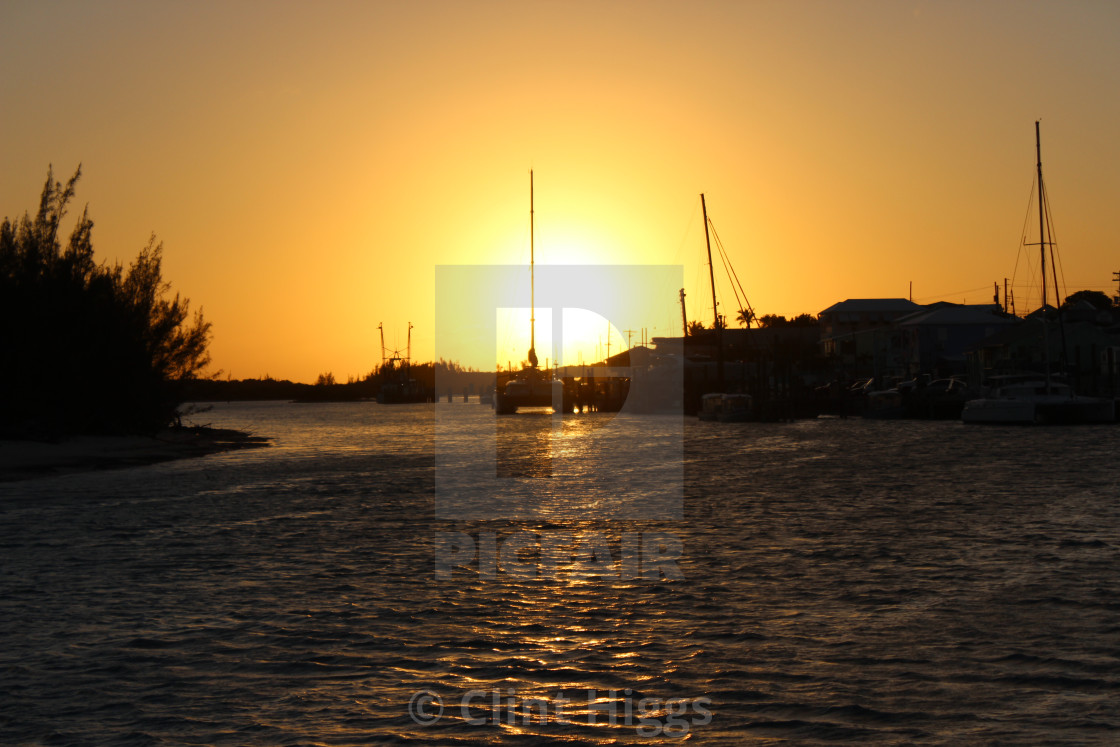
531, 386
1039, 399
398, 387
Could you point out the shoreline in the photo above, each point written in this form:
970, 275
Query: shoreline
27, 460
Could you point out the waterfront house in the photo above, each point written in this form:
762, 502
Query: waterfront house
856, 335
935, 339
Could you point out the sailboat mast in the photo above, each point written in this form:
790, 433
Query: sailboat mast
532, 281
715, 306
711, 269
1042, 253
1041, 212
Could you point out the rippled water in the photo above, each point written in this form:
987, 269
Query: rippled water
844, 580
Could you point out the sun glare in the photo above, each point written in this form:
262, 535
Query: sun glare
587, 337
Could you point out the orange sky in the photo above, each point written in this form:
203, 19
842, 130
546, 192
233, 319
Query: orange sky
308, 165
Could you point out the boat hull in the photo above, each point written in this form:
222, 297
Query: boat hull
521, 393
1049, 410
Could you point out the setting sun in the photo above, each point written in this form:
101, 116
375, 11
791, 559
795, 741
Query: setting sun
308, 166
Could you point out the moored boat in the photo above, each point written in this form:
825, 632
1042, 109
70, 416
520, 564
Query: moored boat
1040, 398
726, 408
531, 386
1034, 401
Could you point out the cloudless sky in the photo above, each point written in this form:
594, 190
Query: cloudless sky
308, 165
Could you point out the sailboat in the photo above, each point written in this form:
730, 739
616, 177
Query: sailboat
532, 386
1030, 398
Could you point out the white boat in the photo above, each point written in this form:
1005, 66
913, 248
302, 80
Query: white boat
1033, 401
1039, 399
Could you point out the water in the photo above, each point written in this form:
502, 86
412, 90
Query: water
844, 580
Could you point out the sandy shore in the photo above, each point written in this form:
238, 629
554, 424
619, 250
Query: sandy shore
22, 460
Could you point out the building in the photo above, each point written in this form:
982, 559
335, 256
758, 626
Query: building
935, 340
855, 335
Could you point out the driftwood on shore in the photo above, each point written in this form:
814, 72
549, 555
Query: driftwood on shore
22, 460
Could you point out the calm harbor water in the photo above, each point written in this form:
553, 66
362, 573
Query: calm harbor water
843, 580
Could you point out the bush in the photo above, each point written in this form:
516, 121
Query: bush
88, 347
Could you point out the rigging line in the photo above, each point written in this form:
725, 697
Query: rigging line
726, 269
739, 293
734, 276
684, 238
1023, 233
1055, 255
954, 293
724, 261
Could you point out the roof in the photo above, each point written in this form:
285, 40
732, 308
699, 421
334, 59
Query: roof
873, 304
951, 314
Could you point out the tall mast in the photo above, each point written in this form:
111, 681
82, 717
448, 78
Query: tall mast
532, 282
1042, 253
381, 327
715, 306
408, 354
711, 269
1041, 213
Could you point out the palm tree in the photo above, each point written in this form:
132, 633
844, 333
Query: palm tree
745, 317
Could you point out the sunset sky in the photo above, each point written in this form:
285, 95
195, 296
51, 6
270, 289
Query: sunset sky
309, 165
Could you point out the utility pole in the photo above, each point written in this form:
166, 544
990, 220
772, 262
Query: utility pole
684, 314
1005, 295
628, 333
995, 298
1116, 298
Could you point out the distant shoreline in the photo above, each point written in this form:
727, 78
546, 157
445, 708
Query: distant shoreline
25, 460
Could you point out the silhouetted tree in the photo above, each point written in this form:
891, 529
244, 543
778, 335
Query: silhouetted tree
778, 320
745, 317
772, 320
1099, 300
88, 347
696, 328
